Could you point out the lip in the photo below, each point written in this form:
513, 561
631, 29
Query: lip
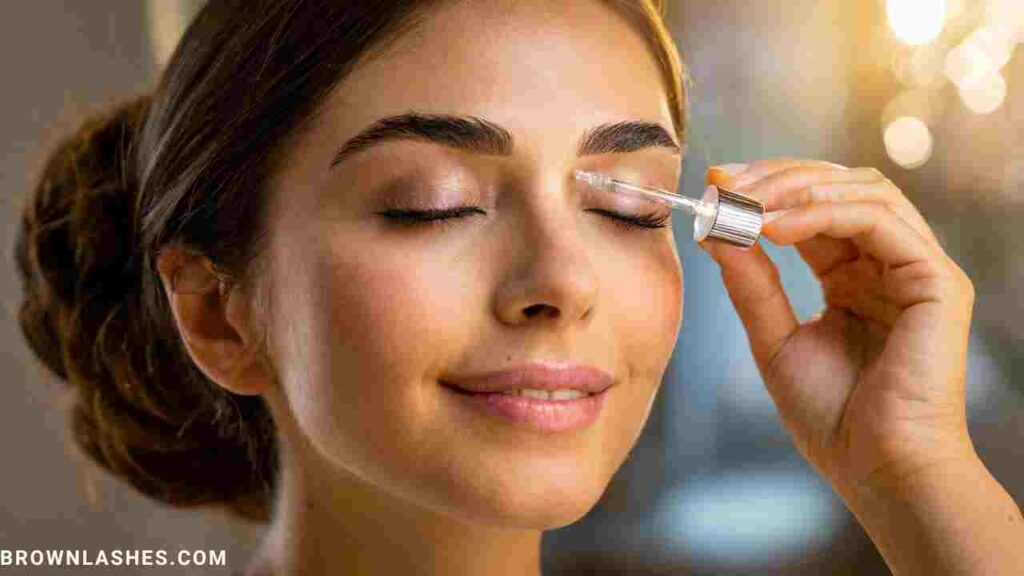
551, 375
485, 394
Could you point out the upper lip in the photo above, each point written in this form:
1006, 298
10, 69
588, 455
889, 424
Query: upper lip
536, 376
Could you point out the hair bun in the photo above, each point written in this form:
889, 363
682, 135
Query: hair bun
142, 409
75, 249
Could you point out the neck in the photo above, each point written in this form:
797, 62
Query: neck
329, 522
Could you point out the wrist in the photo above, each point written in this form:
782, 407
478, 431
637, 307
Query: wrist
914, 482
946, 516
911, 468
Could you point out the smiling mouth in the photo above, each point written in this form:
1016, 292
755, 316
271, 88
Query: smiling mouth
558, 395
545, 411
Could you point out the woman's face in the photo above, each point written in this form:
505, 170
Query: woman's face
372, 315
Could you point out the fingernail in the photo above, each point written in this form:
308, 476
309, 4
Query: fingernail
770, 216
731, 169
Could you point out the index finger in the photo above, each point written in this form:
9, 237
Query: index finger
874, 228
738, 175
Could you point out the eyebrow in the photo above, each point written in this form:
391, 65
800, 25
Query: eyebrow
627, 136
480, 136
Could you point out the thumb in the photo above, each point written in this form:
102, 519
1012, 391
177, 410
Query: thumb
753, 284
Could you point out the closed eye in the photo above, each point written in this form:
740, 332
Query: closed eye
649, 220
441, 216
412, 217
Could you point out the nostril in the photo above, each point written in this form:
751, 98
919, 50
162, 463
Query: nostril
538, 309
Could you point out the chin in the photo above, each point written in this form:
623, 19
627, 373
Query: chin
537, 502
547, 516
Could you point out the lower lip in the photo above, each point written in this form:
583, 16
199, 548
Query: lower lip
535, 413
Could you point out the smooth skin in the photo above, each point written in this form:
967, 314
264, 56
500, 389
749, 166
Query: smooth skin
385, 472
872, 388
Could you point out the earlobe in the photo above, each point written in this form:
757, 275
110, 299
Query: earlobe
212, 318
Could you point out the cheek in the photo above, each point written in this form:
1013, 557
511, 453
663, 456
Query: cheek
398, 316
646, 312
370, 334
646, 303
395, 324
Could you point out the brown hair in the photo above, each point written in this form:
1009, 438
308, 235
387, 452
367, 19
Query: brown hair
188, 165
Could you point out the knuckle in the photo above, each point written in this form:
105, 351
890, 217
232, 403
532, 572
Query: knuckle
964, 282
877, 211
876, 176
876, 173
892, 191
815, 193
788, 160
778, 164
951, 280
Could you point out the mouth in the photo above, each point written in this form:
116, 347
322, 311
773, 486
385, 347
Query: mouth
535, 378
561, 395
544, 397
537, 410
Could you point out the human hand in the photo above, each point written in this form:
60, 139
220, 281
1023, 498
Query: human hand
871, 389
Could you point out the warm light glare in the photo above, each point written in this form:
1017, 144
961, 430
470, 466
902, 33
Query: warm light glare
955, 9
1009, 14
984, 96
908, 142
916, 21
995, 41
923, 68
979, 58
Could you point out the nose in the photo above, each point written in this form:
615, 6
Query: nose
551, 279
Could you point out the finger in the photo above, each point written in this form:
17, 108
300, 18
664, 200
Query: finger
858, 287
799, 186
753, 284
792, 186
931, 281
736, 175
787, 182
823, 254
874, 228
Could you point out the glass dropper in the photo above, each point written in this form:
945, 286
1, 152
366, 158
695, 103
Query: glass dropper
720, 215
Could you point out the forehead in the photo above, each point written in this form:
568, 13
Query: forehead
544, 70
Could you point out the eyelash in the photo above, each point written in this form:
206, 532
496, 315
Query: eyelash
651, 220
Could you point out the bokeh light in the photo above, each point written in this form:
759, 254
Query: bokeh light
916, 22
985, 95
740, 519
908, 141
955, 9
1008, 14
968, 64
922, 68
975, 65
996, 41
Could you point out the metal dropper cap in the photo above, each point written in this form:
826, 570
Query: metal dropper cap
720, 215
729, 217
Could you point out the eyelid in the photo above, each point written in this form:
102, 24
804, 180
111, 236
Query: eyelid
626, 201
435, 189
634, 172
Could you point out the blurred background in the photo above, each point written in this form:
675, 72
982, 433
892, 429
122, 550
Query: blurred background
929, 91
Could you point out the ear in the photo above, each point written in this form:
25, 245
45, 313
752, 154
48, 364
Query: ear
215, 322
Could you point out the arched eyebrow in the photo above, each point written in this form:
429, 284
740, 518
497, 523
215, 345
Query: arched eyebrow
622, 137
480, 136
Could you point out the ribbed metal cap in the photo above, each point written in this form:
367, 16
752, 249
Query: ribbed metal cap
729, 217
